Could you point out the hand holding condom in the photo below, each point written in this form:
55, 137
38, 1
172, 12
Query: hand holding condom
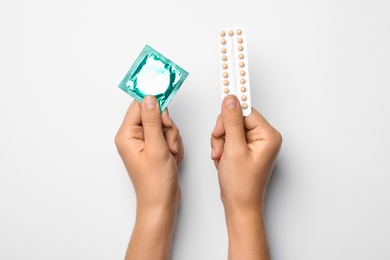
151, 149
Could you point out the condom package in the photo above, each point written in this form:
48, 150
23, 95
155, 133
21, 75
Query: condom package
153, 74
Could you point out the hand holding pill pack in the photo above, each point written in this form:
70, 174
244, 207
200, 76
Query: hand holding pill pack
153, 74
234, 67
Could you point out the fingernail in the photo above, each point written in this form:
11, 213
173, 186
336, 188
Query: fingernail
176, 146
231, 102
150, 102
212, 153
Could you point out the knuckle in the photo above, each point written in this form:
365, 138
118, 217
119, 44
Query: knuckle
118, 139
174, 130
172, 134
276, 139
149, 121
174, 127
120, 142
234, 121
232, 118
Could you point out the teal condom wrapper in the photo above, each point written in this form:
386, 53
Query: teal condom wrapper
153, 74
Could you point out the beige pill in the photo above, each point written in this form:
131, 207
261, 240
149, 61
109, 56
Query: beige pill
244, 106
224, 66
223, 41
241, 56
240, 40
226, 90
224, 58
225, 74
222, 33
242, 64
242, 72
243, 98
240, 48
243, 89
239, 32
223, 50
242, 81
231, 33
226, 82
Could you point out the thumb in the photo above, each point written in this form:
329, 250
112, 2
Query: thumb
233, 122
151, 123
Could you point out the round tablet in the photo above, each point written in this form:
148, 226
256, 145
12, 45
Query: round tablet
244, 106
242, 81
231, 33
243, 98
240, 48
241, 56
226, 82
224, 66
239, 32
242, 72
223, 41
222, 33
240, 40
226, 90
224, 58
243, 89
225, 74
242, 64
223, 50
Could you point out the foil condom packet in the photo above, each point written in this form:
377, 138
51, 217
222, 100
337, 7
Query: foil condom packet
153, 74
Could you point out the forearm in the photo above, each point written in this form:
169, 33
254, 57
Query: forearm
247, 235
152, 234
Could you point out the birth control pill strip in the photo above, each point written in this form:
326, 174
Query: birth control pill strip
234, 66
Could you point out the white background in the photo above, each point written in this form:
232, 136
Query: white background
320, 73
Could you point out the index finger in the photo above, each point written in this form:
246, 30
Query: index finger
254, 120
218, 130
133, 115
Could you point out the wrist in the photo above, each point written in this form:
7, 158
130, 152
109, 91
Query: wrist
156, 214
242, 207
158, 202
243, 214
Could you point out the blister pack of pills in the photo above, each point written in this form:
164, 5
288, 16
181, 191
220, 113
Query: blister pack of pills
234, 66
153, 74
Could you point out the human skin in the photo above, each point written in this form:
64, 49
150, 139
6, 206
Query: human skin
151, 149
244, 151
